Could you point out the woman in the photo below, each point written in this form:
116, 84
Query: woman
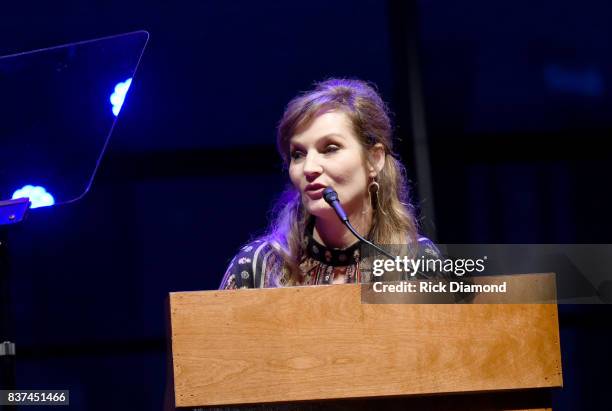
337, 135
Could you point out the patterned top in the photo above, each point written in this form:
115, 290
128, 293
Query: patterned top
258, 265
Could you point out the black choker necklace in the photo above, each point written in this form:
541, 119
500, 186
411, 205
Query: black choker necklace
332, 256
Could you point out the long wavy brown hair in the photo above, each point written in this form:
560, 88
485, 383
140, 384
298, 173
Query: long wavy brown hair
393, 220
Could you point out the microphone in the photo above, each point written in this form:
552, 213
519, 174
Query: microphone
331, 198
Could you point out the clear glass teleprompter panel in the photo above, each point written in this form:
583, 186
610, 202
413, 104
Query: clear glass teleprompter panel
58, 107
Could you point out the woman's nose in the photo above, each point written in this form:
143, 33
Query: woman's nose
312, 166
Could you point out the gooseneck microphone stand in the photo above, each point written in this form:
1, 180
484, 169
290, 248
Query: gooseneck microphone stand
331, 197
11, 212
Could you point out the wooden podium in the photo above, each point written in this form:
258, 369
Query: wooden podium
320, 347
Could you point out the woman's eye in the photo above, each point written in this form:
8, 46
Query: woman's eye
296, 154
331, 148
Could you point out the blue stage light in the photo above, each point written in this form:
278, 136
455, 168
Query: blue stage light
39, 197
586, 81
118, 95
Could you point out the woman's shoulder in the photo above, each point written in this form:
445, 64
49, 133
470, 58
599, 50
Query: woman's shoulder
246, 268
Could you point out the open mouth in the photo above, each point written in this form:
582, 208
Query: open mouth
314, 191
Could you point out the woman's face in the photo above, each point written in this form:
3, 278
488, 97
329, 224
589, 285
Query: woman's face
328, 153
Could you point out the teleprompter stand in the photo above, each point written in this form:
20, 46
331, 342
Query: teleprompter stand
11, 212
55, 127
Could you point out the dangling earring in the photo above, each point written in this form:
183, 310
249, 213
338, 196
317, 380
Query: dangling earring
373, 187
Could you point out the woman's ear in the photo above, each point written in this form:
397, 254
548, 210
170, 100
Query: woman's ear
377, 159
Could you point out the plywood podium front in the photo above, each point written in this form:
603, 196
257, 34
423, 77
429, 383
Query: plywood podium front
321, 347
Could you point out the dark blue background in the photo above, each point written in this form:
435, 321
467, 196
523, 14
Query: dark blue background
516, 97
